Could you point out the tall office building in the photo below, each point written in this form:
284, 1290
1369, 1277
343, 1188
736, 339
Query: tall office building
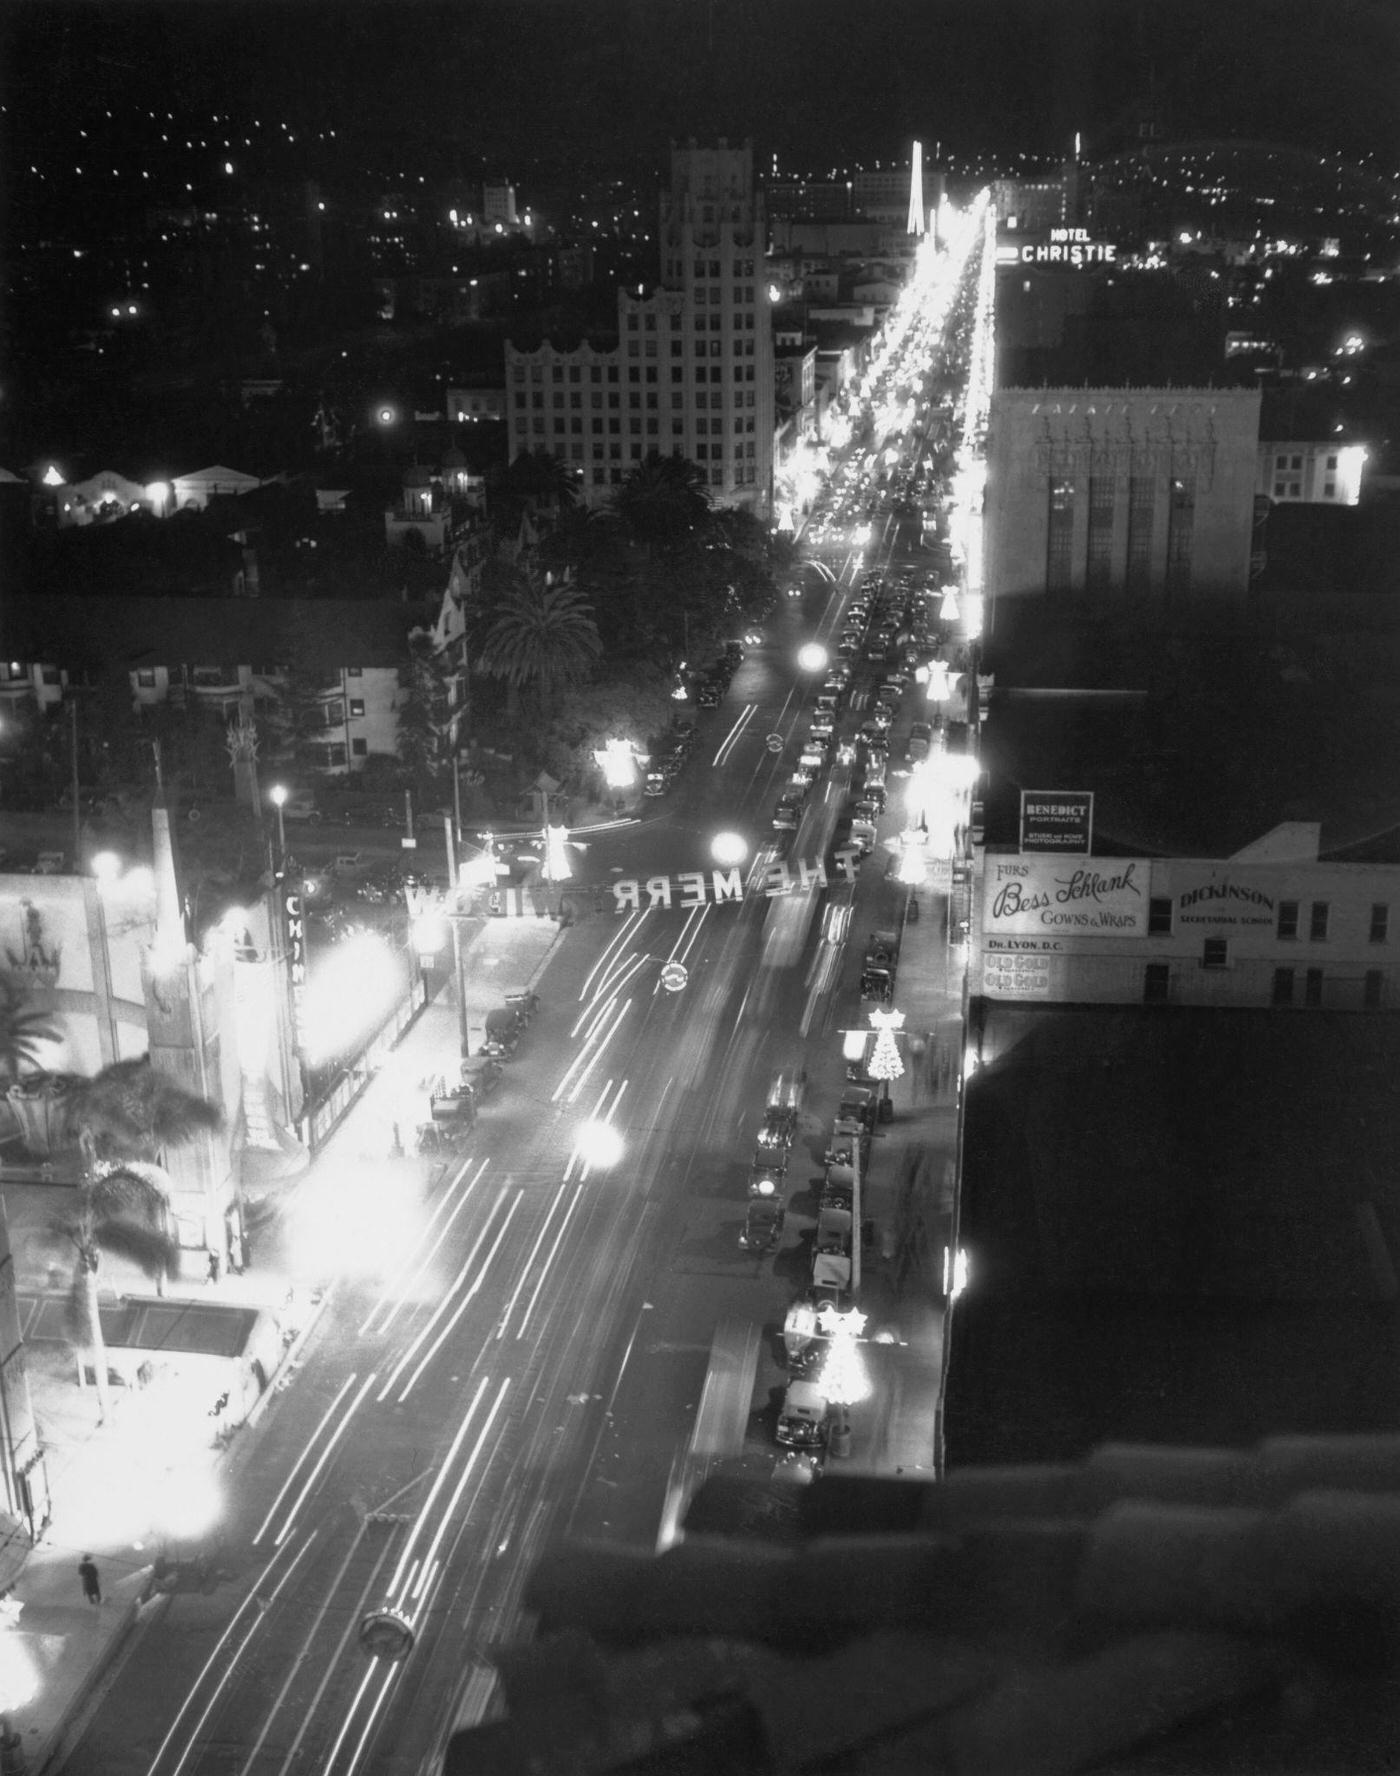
692, 372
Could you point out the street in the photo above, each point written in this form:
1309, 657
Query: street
513, 1343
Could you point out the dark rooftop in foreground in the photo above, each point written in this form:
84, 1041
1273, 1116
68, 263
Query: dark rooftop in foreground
1182, 1226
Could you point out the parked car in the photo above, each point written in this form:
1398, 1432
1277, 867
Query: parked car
503, 1032
763, 1224
481, 1074
787, 816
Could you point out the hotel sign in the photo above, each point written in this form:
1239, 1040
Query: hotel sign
1039, 897
1057, 820
296, 955
1068, 247
697, 888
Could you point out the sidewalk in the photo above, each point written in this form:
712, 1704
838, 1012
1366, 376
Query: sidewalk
107, 1482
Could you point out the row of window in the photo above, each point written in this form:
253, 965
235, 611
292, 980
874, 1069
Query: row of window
1157, 983
742, 397
1296, 462
675, 268
745, 474
703, 427
1287, 920
146, 679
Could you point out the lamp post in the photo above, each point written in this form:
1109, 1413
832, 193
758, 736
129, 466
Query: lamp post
106, 867
278, 794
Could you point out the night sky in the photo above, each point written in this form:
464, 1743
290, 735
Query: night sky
821, 82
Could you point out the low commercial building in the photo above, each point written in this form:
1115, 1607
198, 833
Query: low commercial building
1272, 925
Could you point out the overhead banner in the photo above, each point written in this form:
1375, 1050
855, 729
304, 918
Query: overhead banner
1036, 899
1057, 820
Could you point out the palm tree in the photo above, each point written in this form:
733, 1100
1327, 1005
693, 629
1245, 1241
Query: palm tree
539, 636
24, 1029
664, 501
123, 1209
119, 1120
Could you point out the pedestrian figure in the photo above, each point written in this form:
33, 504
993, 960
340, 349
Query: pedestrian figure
214, 1267
92, 1586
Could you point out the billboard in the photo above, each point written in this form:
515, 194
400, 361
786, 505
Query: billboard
1016, 976
1060, 820
1036, 900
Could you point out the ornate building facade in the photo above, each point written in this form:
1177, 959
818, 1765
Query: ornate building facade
1133, 495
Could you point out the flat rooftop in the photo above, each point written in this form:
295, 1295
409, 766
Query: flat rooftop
1182, 1225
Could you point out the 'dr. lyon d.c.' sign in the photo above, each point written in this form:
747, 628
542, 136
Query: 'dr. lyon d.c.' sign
696, 888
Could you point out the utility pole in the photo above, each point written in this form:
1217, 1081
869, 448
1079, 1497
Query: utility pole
73, 787
453, 885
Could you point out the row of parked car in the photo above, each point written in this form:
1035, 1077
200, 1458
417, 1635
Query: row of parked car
453, 1106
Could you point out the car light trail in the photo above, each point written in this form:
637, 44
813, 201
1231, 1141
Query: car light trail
305, 1455
325, 1456
411, 1284
430, 1559
346, 1724
406, 1553
601, 1050
735, 734
308, 1711
462, 1306
260, 1606
529, 1263
553, 1253
628, 968
630, 925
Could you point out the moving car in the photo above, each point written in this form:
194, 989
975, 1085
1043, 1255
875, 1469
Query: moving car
780, 1114
787, 816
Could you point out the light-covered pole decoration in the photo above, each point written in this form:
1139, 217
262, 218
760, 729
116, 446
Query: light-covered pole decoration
885, 1063
618, 762
843, 1380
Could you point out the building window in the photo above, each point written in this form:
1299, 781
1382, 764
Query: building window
1288, 918
357, 706
335, 714
1215, 953
1372, 989
1159, 917
1283, 987
1181, 527
146, 678
1380, 922
1156, 983
335, 755
1312, 987
1317, 922
1329, 491
1061, 538
1099, 567
354, 671
359, 748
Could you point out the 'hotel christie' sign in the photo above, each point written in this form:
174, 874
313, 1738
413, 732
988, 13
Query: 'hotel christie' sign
1066, 246
694, 888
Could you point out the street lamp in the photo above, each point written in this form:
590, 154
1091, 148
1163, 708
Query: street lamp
812, 657
729, 849
278, 793
617, 760
843, 1379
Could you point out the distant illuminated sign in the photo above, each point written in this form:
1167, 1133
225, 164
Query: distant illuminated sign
1032, 898
1070, 247
694, 888
1057, 820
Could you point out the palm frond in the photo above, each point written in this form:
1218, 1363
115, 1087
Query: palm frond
131, 1188
149, 1248
131, 1109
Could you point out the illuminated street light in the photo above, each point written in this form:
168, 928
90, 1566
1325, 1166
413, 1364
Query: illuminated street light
106, 866
278, 795
812, 657
729, 849
599, 1145
843, 1378
618, 762
351, 990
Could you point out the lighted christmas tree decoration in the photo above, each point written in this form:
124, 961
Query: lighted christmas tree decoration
885, 1063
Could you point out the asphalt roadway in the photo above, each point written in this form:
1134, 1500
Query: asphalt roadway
488, 1378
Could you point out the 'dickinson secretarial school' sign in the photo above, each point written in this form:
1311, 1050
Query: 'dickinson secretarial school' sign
1029, 902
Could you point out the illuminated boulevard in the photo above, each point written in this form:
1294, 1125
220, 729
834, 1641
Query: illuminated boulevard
514, 1342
